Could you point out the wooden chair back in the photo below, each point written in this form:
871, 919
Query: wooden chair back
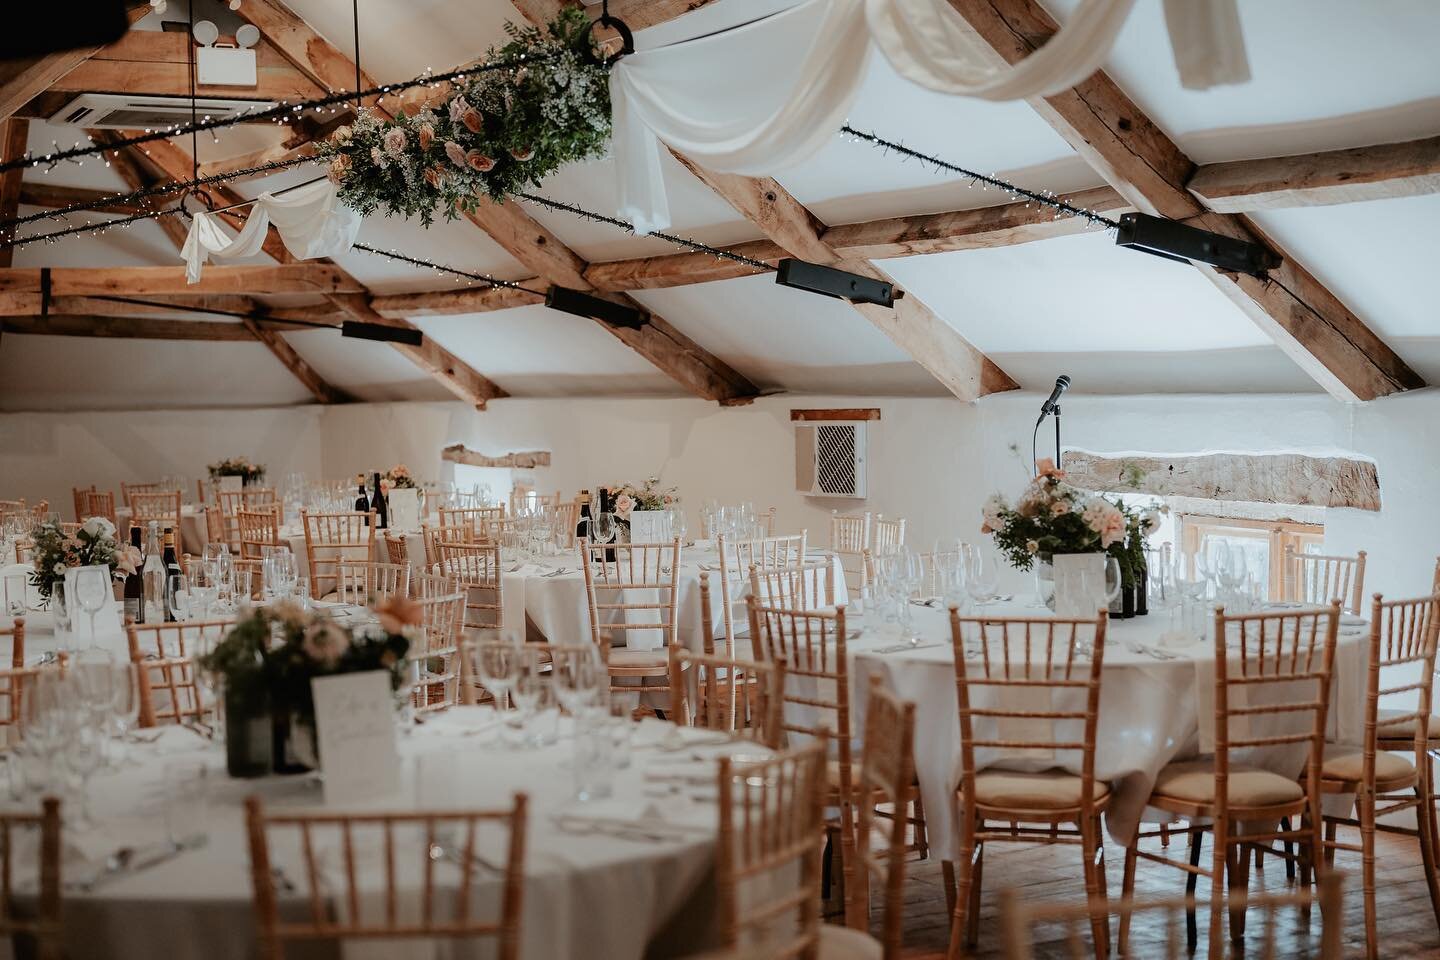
231, 502
432, 537
849, 534
1315, 579
370, 584
470, 519
397, 551
251, 568
768, 519
215, 526
1028, 687
164, 655
392, 836
332, 537
803, 586
1403, 636
1021, 919
12, 677
767, 859
38, 924
476, 566
631, 587
440, 679
126, 489
887, 536
886, 776
737, 559
81, 497
932, 583
257, 528
427, 583
40, 511
1275, 666
160, 505
100, 504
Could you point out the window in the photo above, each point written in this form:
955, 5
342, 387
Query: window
1264, 542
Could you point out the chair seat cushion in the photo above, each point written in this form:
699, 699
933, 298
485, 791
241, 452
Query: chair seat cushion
1348, 764
845, 943
1194, 781
1405, 730
1045, 790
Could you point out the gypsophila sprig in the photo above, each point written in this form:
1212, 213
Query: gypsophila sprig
495, 134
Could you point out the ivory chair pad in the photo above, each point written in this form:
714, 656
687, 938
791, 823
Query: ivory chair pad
1194, 781
1406, 729
1348, 763
845, 943
1046, 790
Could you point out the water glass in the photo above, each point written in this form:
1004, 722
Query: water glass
177, 597
498, 663
594, 766
302, 592
578, 677
187, 797
622, 728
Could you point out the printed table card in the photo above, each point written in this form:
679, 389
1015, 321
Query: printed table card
355, 729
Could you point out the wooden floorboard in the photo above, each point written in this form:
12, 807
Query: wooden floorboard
1405, 920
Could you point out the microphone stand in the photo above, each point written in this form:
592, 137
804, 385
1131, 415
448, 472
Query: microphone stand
1057, 437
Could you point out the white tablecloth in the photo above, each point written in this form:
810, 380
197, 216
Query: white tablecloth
1151, 709
586, 895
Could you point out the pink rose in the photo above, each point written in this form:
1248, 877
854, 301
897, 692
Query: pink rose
427, 136
395, 141
458, 108
473, 121
376, 156
624, 504
433, 177
337, 169
479, 162
324, 642
455, 152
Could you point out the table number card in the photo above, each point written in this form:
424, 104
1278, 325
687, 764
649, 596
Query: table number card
355, 728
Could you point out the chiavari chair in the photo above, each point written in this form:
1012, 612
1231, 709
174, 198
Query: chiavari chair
126, 489
352, 918
231, 502
424, 584
431, 537
804, 586
81, 497
886, 776
768, 520
849, 540
441, 674
737, 559
633, 580
332, 537
1020, 918
1315, 579
751, 709
1277, 679
931, 565
369, 584
771, 817
887, 536
1395, 727
254, 567
255, 530
37, 927
1402, 639
23, 548
566, 515
215, 526
164, 655
817, 700
39, 511
476, 567
98, 504
161, 506
396, 550
1028, 692
11, 678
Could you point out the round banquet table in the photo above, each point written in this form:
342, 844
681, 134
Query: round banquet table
1157, 705
591, 890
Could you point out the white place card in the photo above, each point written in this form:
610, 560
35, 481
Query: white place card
355, 728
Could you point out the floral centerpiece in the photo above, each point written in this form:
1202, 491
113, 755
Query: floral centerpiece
402, 496
268, 659
400, 477
1052, 517
56, 551
627, 497
494, 133
237, 467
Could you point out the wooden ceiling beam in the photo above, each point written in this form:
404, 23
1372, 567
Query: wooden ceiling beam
1307, 321
52, 195
14, 134
321, 390
311, 54
140, 174
448, 302
307, 277
22, 79
912, 326
127, 328
1380, 172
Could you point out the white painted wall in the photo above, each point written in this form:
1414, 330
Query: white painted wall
931, 460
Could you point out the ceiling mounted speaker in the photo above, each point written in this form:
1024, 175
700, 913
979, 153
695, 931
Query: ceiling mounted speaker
38, 28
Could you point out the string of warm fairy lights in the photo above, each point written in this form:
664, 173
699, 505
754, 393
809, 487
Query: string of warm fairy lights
1047, 198
284, 110
442, 268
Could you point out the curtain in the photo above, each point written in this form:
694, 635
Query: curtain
766, 96
310, 219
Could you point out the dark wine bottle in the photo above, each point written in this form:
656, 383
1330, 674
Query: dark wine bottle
362, 501
377, 503
135, 585
1142, 599
172, 568
582, 529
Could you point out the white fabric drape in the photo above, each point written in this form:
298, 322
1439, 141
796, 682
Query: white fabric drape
310, 219
768, 95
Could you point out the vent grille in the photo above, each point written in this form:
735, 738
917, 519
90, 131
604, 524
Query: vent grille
835, 459
115, 111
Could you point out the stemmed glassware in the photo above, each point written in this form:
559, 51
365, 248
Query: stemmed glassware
498, 662
578, 677
981, 574
92, 589
177, 597
602, 527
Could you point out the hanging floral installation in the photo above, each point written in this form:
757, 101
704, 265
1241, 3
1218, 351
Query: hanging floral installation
495, 134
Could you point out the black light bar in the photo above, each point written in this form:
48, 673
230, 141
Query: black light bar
830, 282
1177, 241
582, 304
379, 331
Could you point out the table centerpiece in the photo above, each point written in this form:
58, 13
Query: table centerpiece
54, 552
644, 510
233, 473
402, 496
266, 663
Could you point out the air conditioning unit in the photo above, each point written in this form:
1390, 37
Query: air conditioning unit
830, 458
119, 111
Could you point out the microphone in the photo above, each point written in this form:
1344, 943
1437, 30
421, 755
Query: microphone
1062, 383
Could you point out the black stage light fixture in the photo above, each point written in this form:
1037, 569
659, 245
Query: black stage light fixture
830, 282
582, 304
34, 29
1177, 241
379, 331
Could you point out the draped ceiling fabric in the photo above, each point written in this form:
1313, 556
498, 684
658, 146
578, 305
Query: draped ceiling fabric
766, 96
310, 219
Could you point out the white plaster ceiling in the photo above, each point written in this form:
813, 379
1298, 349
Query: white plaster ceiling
1115, 320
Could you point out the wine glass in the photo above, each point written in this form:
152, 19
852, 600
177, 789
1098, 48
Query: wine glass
602, 527
177, 597
92, 589
981, 574
577, 677
1113, 580
498, 662
125, 702
525, 691
678, 528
